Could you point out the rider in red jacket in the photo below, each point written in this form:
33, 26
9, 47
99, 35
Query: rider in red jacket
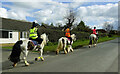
94, 32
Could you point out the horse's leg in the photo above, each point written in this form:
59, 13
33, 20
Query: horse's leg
90, 43
95, 41
40, 54
25, 55
68, 48
14, 64
65, 47
57, 51
58, 48
71, 48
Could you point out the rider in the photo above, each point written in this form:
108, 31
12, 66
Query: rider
34, 35
94, 32
67, 34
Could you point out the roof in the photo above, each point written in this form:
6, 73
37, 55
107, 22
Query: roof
101, 30
17, 25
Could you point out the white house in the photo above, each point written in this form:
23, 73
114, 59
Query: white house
13, 30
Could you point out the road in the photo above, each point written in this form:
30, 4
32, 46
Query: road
102, 58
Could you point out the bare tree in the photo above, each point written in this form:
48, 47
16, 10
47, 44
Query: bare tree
107, 26
70, 18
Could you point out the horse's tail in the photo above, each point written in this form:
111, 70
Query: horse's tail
16, 51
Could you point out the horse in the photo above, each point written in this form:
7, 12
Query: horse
24, 46
63, 42
93, 38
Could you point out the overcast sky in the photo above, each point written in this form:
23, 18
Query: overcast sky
53, 11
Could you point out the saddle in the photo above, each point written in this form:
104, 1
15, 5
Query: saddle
68, 42
34, 42
68, 39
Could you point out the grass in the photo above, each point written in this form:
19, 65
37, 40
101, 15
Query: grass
10, 47
76, 44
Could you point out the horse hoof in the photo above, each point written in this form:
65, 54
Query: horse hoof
36, 59
27, 64
95, 45
14, 65
89, 46
57, 53
42, 58
65, 52
72, 50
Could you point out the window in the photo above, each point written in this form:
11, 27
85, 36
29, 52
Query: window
23, 34
6, 34
10, 34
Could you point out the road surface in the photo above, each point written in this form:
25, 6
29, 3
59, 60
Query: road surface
102, 58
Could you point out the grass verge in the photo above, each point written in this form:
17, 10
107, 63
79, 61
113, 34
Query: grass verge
76, 44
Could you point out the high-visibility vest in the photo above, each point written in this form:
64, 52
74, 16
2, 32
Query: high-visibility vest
33, 33
67, 32
94, 31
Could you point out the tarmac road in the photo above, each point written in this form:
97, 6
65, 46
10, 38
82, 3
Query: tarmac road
102, 58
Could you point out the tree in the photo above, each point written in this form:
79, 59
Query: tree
107, 26
59, 25
82, 27
70, 18
51, 25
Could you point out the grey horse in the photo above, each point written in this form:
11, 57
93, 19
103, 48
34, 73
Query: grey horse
93, 40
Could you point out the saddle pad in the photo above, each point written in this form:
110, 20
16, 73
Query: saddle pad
68, 39
34, 42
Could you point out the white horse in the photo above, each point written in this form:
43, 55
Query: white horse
63, 42
25, 45
93, 38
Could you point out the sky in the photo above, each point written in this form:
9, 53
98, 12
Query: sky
93, 13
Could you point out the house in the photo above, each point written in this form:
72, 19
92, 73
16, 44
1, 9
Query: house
101, 30
13, 30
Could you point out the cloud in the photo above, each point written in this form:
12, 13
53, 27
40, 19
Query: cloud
26, 0
54, 12
3, 12
96, 0
96, 15
60, 0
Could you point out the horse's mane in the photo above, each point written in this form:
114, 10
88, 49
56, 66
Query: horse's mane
42, 36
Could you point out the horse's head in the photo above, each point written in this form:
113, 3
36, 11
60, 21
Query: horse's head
45, 38
73, 36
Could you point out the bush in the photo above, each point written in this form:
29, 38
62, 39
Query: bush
55, 34
110, 35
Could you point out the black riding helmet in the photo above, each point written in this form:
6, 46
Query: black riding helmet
34, 25
94, 27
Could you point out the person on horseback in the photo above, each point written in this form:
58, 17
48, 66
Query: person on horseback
34, 35
67, 34
94, 32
